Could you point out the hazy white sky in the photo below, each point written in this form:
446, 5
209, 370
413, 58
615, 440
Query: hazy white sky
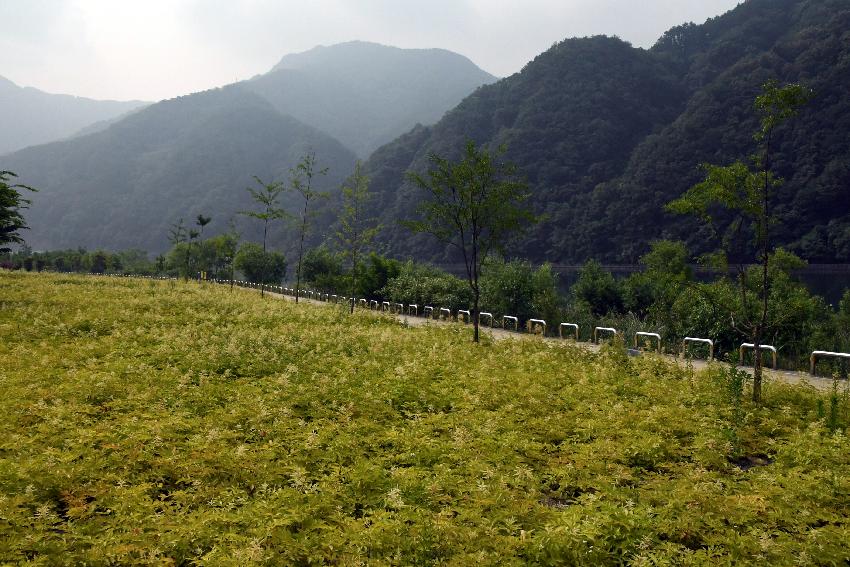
154, 49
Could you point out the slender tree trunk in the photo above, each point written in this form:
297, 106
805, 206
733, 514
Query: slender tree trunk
476, 290
265, 264
475, 312
764, 237
301, 252
353, 281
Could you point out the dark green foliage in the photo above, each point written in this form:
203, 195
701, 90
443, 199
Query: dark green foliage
423, 285
516, 288
11, 203
323, 270
598, 290
651, 293
301, 182
376, 272
259, 266
80, 260
608, 134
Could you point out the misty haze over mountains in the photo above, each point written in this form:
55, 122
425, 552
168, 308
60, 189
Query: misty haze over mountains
197, 153
30, 116
605, 133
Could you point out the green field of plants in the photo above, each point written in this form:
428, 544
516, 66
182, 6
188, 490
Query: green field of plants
161, 422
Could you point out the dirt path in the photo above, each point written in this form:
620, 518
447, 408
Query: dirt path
787, 376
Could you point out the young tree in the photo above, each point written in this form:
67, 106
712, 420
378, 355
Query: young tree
302, 182
356, 230
201, 221
177, 236
11, 203
191, 259
267, 197
228, 250
746, 191
474, 205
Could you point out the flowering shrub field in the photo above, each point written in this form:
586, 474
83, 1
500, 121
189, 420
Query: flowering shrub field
160, 422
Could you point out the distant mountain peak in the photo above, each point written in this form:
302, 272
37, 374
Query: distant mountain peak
365, 53
31, 116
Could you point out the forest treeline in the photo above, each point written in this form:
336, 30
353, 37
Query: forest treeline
664, 297
607, 134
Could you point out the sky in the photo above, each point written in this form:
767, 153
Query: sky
156, 49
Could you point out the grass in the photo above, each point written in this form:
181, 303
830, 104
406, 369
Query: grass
168, 423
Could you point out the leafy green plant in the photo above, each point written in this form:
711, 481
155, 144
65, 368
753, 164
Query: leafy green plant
161, 422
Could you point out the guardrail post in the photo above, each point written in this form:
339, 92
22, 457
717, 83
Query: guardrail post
822, 353
648, 335
709, 342
533, 322
569, 326
506, 318
596, 330
751, 345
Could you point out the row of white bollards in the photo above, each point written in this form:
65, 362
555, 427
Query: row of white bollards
464, 315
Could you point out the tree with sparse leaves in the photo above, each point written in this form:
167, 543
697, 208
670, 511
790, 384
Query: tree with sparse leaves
267, 197
475, 204
747, 192
356, 230
177, 235
302, 176
11, 203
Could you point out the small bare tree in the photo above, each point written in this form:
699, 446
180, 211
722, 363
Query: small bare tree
176, 236
356, 230
267, 197
301, 181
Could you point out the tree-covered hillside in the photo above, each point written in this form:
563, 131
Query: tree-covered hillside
125, 186
365, 94
607, 134
123, 183
30, 116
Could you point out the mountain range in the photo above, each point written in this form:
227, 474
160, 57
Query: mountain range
125, 183
31, 117
605, 133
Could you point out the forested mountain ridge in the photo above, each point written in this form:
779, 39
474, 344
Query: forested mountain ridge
125, 186
30, 116
124, 183
607, 134
366, 94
